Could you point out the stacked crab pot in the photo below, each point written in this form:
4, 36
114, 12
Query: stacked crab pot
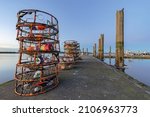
77, 52
37, 67
71, 54
72, 49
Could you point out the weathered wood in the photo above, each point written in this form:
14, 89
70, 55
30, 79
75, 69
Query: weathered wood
101, 47
120, 39
87, 51
94, 50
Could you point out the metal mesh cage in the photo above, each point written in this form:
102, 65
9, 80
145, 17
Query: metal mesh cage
37, 67
71, 54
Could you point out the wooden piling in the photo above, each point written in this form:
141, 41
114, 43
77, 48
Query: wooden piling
120, 39
110, 52
94, 50
83, 51
99, 43
87, 51
110, 55
101, 47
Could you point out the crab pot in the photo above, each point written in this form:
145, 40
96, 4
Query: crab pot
66, 62
71, 54
72, 49
78, 52
37, 67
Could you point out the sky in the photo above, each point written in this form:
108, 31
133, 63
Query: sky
84, 21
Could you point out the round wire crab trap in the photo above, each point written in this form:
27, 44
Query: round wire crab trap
77, 49
72, 49
71, 54
37, 67
66, 62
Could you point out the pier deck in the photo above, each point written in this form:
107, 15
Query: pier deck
90, 79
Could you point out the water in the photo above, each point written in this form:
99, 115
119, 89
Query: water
137, 68
7, 66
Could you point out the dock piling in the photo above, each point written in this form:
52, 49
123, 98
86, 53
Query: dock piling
87, 53
110, 55
120, 39
83, 51
94, 50
101, 47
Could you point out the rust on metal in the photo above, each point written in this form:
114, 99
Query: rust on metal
37, 67
71, 54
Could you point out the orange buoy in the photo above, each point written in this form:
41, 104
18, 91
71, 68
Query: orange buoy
41, 27
30, 48
39, 37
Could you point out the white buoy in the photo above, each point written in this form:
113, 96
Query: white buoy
37, 74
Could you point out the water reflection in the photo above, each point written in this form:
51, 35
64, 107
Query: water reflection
7, 66
137, 68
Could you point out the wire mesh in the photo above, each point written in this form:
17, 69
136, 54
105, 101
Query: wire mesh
71, 54
37, 67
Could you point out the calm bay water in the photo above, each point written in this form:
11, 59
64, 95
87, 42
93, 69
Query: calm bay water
7, 66
137, 68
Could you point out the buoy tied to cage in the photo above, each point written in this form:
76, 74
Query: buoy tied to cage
37, 67
71, 54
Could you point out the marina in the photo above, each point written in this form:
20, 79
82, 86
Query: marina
39, 67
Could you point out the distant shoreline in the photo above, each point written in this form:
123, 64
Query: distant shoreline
9, 52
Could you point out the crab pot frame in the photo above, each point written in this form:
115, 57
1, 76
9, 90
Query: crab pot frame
71, 54
72, 49
37, 67
66, 62
77, 57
